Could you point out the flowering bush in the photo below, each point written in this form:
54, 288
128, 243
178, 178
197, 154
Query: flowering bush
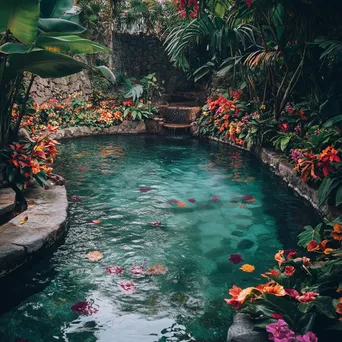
303, 289
75, 111
187, 8
30, 160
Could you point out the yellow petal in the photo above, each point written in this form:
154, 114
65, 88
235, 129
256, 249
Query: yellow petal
23, 220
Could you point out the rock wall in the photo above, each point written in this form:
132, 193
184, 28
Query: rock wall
140, 55
44, 89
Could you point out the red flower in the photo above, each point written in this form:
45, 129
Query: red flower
307, 297
292, 292
289, 271
277, 315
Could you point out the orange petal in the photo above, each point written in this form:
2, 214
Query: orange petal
95, 256
23, 220
338, 228
247, 268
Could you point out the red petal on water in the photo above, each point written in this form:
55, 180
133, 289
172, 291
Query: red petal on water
157, 223
248, 198
84, 308
216, 198
145, 189
236, 258
115, 269
138, 271
191, 200
127, 286
74, 198
173, 201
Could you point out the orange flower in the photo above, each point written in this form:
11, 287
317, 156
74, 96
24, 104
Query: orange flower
337, 234
95, 256
181, 204
247, 268
280, 257
330, 154
312, 246
289, 271
275, 289
271, 272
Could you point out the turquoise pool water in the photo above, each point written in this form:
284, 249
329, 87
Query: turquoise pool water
174, 202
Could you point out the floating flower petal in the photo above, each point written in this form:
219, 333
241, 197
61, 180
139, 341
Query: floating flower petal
127, 286
157, 223
157, 269
138, 271
74, 198
192, 200
145, 189
85, 308
95, 221
236, 258
181, 204
215, 198
115, 269
247, 268
95, 256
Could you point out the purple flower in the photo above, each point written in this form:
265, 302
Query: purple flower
127, 286
145, 189
308, 337
216, 198
157, 223
236, 259
296, 155
138, 271
84, 308
115, 269
280, 332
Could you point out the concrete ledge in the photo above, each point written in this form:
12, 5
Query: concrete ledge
7, 201
46, 221
284, 170
126, 127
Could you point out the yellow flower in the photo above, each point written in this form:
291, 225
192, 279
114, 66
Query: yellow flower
262, 107
247, 268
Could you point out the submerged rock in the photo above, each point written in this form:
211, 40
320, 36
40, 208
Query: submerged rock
238, 233
245, 244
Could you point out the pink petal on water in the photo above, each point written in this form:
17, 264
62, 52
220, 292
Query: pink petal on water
248, 198
74, 198
191, 200
95, 221
216, 198
157, 223
84, 308
145, 189
138, 271
115, 269
127, 286
236, 258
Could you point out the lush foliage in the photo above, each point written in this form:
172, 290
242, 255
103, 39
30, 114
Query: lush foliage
304, 288
37, 37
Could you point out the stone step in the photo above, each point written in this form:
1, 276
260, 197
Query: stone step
179, 114
168, 125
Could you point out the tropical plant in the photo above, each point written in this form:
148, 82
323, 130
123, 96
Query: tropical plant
37, 37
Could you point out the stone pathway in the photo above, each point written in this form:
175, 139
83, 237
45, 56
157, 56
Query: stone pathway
7, 201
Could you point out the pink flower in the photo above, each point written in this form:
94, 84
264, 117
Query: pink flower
145, 189
115, 269
156, 223
280, 332
85, 308
307, 297
127, 286
216, 198
308, 337
292, 292
138, 271
236, 258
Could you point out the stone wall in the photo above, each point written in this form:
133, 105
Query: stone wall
140, 55
44, 89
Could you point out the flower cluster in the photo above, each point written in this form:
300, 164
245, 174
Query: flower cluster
312, 166
31, 160
224, 117
187, 8
76, 111
299, 286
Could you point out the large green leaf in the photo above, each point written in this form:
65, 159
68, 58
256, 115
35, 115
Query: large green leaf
327, 187
338, 199
43, 63
107, 73
310, 234
69, 44
10, 48
54, 26
323, 305
20, 17
55, 8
